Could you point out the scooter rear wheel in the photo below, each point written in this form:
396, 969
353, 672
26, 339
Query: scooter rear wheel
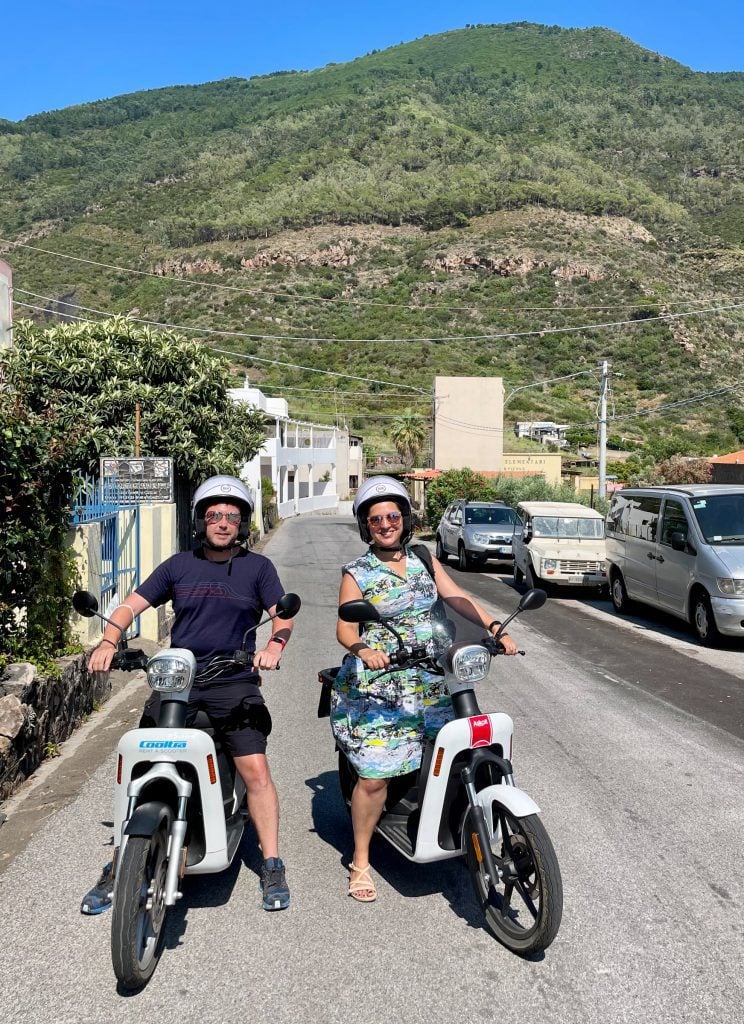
524, 908
138, 913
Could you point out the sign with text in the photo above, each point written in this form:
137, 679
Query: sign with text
137, 480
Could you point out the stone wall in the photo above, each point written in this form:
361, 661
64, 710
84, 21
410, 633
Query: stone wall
37, 713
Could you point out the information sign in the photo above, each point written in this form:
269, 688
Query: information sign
137, 480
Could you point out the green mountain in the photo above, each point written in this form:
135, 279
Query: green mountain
496, 180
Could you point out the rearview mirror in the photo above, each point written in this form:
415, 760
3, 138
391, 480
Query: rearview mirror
358, 611
84, 603
532, 599
287, 606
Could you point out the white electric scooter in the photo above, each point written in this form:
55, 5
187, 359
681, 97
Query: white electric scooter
463, 800
179, 804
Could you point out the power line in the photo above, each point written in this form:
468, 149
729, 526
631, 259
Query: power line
252, 336
340, 299
242, 355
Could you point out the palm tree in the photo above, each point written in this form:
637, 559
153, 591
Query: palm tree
408, 433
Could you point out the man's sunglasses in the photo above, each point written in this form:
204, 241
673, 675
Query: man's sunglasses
392, 517
213, 516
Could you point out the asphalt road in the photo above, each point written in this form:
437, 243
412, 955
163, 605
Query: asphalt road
623, 736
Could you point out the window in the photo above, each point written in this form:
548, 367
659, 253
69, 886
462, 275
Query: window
643, 518
674, 521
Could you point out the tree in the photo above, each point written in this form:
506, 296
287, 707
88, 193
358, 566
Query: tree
453, 484
678, 470
408, 433
69, 396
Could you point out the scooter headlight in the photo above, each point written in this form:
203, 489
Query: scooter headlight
470, 664
171, 671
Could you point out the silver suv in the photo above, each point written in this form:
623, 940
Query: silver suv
474, 531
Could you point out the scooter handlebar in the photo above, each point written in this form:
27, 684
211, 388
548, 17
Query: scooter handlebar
129, 660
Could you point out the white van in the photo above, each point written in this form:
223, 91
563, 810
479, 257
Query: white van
680, 548
562, 543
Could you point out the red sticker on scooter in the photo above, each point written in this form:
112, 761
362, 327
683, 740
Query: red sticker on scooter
480, 731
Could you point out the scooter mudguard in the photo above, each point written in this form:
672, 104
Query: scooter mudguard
148, 818
514, 800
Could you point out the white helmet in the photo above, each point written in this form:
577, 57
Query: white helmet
219, 489
382, 488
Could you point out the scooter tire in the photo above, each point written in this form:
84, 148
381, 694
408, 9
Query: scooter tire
138, 912
524, 916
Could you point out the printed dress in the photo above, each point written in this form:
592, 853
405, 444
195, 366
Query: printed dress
380, 721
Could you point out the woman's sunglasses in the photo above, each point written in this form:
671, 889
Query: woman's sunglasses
392, 517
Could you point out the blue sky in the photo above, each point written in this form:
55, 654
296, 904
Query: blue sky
54, 54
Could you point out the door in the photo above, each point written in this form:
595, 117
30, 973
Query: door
452, 529
674, 569
640, 547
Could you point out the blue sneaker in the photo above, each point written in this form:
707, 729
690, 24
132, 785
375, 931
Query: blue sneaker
274, 884
100, 897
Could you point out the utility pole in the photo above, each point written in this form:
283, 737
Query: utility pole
603, 388
6, 305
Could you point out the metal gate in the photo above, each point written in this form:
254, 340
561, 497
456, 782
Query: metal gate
120, 550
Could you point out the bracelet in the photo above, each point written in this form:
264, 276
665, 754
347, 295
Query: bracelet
105, 640
278, 640
490, 625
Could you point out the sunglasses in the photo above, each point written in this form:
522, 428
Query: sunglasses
392, 517
215, 517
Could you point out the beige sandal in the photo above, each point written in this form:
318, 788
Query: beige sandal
361, 888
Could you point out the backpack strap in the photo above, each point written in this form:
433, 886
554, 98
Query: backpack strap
422, 552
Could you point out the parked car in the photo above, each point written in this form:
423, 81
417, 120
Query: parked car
681, 549
562, 543
475, 531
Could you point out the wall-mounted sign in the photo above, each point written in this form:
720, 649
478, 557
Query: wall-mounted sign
137, 480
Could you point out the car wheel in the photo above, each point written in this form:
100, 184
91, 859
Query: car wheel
518, 575
531, 580
463, 561
440, 553
703, 620
618, 593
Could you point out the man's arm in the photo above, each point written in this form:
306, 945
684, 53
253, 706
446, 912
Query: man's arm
123, 616
281, 631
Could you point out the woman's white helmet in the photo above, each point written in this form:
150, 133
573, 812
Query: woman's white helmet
382, 488
216, 490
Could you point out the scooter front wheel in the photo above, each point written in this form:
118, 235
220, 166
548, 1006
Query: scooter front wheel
138, 913
524, 906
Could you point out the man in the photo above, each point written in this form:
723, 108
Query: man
219, 591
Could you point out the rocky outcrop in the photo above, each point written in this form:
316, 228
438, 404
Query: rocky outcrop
337, 255
504, 266
37, 713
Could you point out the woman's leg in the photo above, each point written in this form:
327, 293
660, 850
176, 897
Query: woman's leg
367, 802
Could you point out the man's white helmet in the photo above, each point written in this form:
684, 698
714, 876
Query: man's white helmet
218, 489
382, 488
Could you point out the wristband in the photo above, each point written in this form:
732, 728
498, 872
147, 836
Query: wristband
278, 640
490, 625
105, 640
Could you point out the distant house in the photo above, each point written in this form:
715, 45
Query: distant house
543, 431
728, 469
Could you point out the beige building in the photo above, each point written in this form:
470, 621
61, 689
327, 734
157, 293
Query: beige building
469, 423
533, 464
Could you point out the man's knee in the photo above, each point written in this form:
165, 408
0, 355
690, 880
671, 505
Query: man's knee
254, 771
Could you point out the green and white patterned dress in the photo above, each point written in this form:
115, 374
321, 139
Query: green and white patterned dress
380, 721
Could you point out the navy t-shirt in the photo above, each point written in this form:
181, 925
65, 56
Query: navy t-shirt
215, 602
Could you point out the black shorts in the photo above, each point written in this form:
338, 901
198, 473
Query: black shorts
241, 725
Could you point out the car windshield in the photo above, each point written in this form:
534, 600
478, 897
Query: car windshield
491, 516
567, 526
721, 518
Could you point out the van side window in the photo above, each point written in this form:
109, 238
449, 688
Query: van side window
617, 517
643, 518
674, 521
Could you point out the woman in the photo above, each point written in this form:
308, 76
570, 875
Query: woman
381, 721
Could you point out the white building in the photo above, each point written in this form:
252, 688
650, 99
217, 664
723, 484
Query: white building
312, 466
544, 431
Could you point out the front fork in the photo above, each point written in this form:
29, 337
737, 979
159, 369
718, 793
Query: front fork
482, 837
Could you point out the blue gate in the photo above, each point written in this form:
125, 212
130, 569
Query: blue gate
97, 502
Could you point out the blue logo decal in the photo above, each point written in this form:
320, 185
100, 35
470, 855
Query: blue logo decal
162, 744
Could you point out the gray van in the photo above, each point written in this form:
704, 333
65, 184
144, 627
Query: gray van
680, 548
